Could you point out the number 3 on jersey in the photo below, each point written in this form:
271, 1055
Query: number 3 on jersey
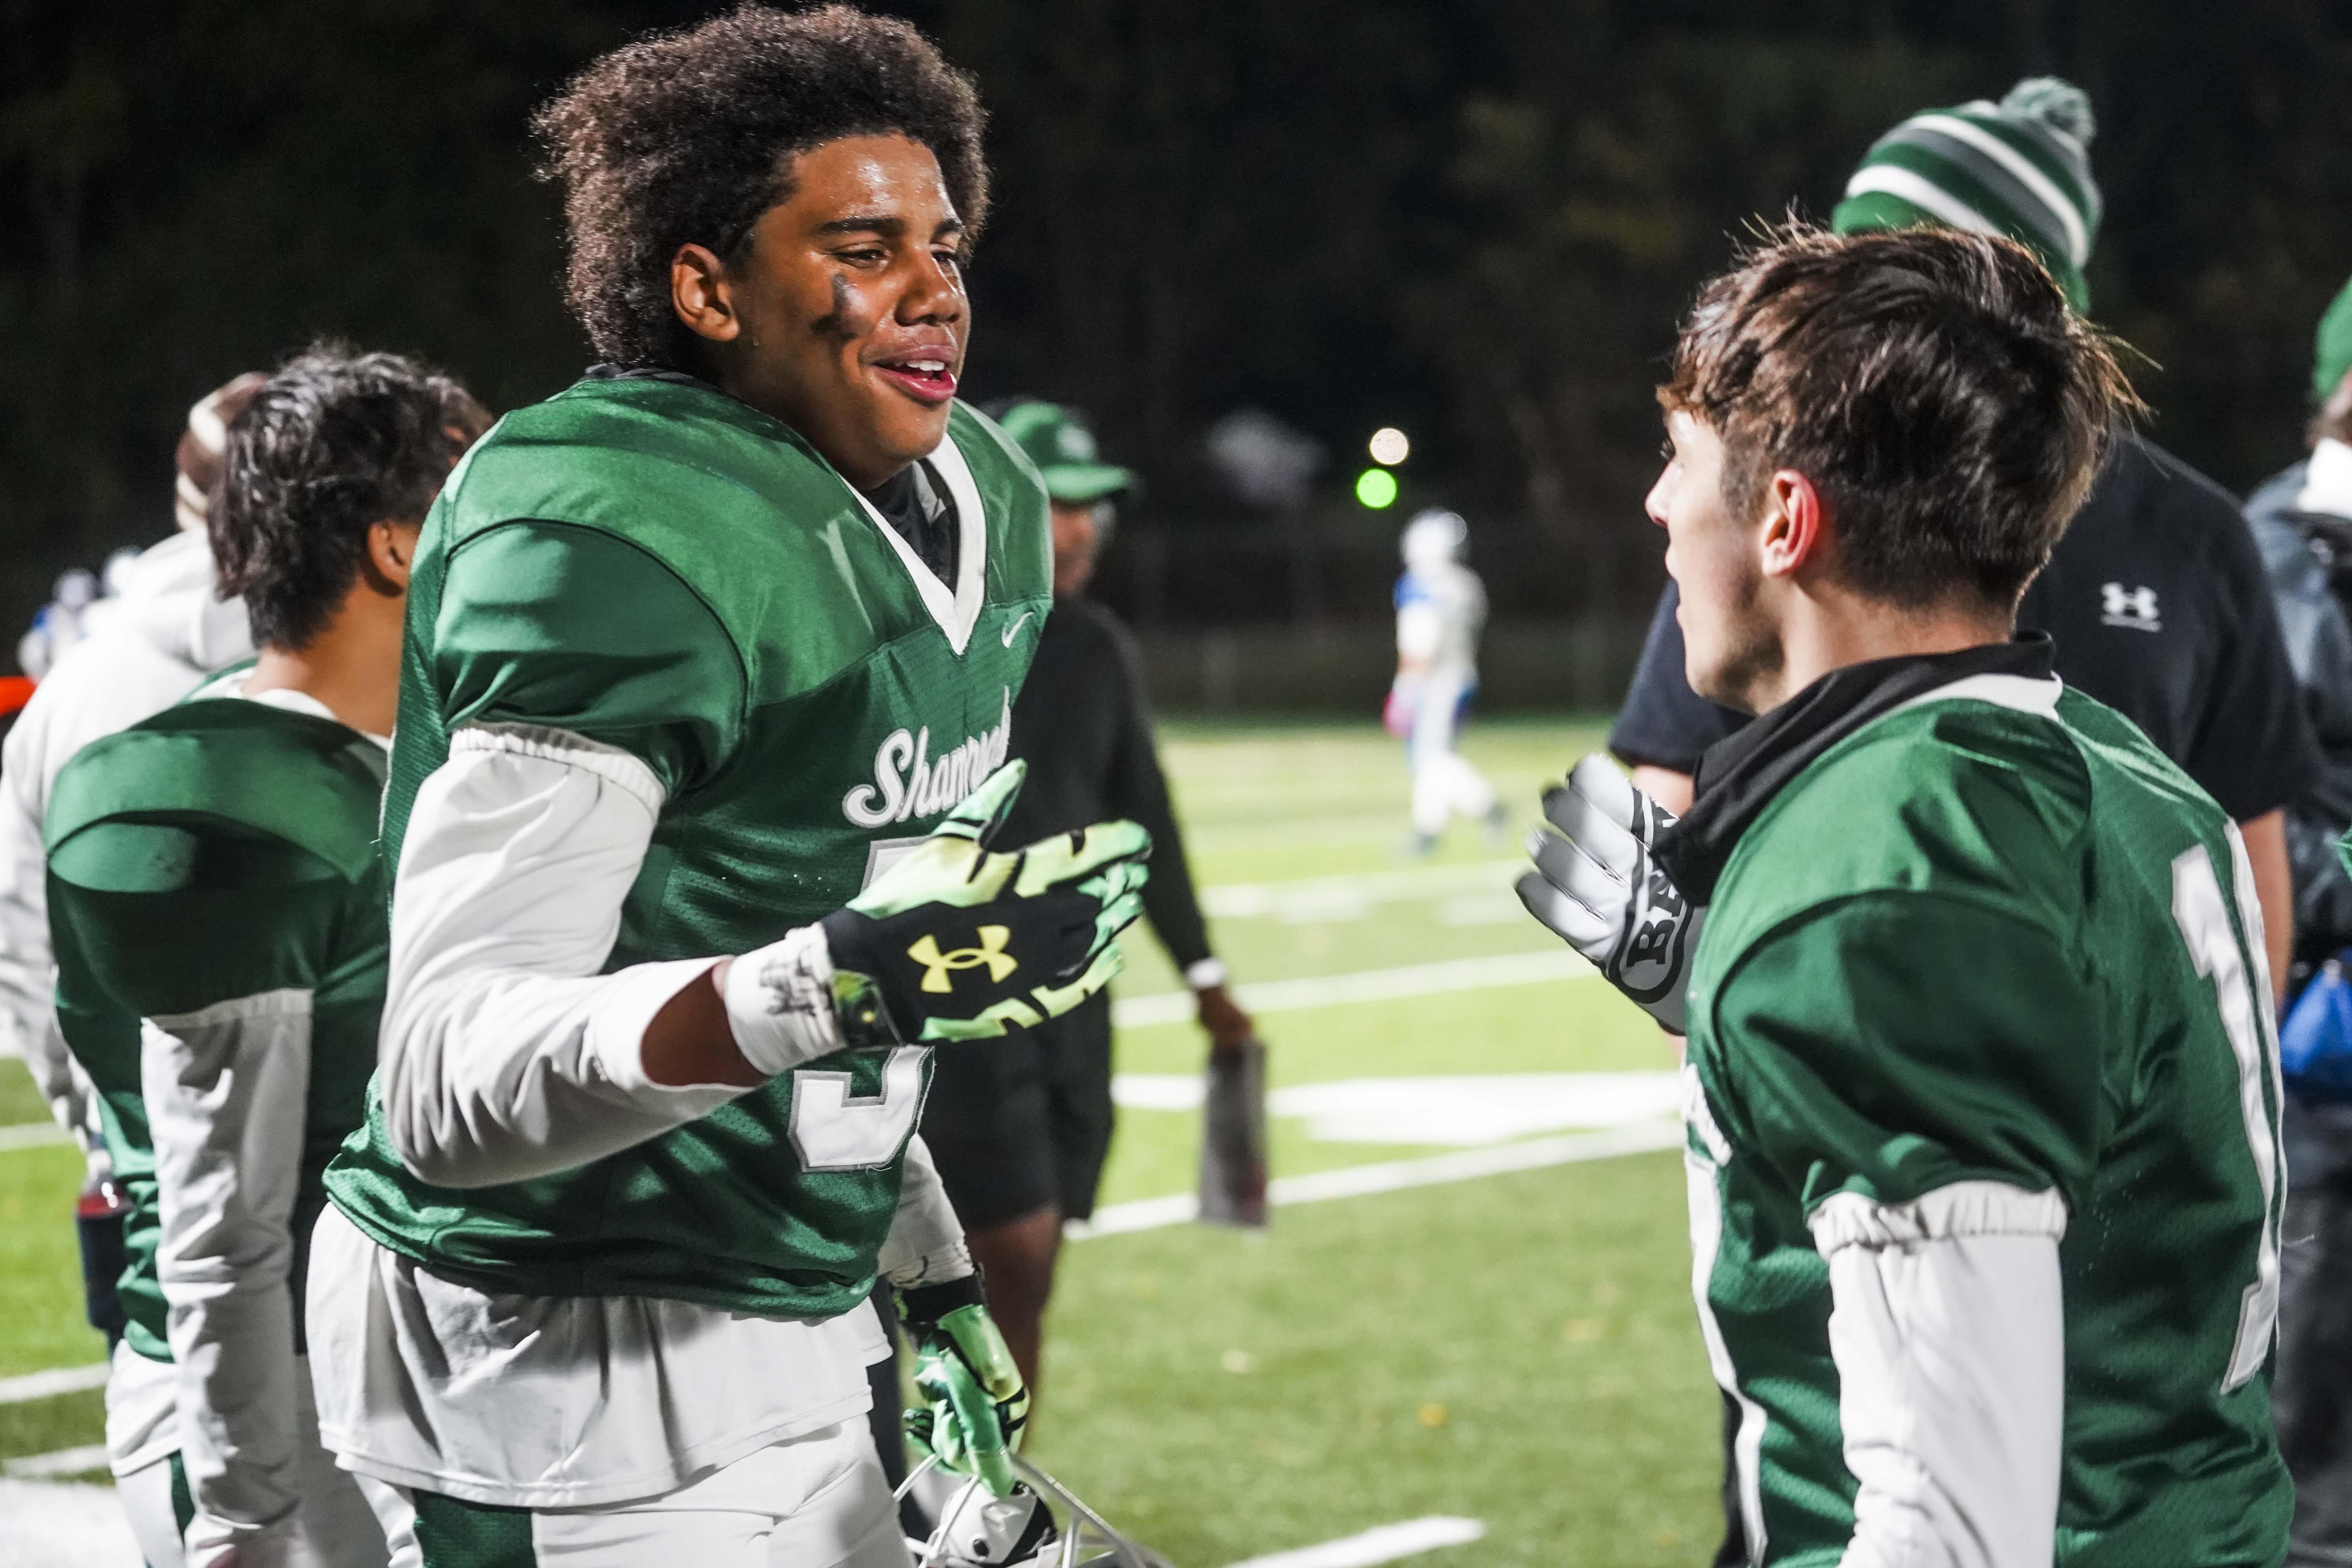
835, 1130
2243, 994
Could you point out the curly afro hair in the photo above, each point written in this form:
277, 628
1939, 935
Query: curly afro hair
686, 137
331, 444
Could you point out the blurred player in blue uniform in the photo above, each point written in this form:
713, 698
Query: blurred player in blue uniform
1441, 608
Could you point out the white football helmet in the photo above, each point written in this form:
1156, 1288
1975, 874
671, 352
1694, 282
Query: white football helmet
1432, 537
980, 1530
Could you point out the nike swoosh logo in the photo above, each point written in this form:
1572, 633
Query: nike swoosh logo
1014, 629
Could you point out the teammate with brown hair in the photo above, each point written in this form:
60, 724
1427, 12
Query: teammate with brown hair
1980, 1085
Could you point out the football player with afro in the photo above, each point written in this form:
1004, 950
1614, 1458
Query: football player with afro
1981, 1091
691, 821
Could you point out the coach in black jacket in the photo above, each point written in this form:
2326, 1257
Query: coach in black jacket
1019, 1128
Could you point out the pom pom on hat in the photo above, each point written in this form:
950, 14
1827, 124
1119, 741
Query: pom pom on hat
2057, 103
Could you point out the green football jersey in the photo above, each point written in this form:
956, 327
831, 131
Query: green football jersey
655, 566
219, 850
1978, 943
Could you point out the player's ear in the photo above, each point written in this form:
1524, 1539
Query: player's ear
703, 295
1795, 526
391, 555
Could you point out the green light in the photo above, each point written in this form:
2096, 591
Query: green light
1376, 488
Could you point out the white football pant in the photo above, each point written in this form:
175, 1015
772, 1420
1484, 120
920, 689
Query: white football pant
1444, 783
334, 1527
817, 1501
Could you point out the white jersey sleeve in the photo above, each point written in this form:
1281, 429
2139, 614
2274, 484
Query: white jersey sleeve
1949, 1333
926, 1245
226, 1091
505, 1054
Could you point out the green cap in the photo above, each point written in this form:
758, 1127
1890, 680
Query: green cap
2333, 361
1064, 451
2020, 167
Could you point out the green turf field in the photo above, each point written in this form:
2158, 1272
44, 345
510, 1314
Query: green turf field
1518, 1349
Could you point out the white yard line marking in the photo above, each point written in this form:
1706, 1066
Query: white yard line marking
1331, 828
1139, 1213
33, 1135
1394, 1176
1385, 1544
1435, 1111
64, 1462
1365, 985
1246, 901
49, 1385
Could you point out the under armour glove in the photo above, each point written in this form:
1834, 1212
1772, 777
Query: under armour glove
1600, 888
957, 942
977, 1404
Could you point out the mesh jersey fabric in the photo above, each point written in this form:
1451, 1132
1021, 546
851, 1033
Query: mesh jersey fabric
221, 849
1952, 950
657, 567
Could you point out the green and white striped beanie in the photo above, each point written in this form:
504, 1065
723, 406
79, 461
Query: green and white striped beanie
2020, 167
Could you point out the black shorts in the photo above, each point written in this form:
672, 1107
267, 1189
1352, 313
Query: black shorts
1023, 1123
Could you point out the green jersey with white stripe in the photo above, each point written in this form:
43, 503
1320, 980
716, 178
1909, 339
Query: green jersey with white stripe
650, 564
1990, 939
220, 851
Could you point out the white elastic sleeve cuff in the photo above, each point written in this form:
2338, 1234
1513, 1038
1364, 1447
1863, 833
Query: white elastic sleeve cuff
225, 1091
1948, 1331
926, 1245
1207, 972
780, 1002
505, 1054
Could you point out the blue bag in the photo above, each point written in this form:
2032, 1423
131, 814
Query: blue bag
2316, 1042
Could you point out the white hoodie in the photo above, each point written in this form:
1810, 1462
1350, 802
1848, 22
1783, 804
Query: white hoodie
144, 649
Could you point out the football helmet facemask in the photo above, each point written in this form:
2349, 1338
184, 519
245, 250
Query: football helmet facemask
978, 1529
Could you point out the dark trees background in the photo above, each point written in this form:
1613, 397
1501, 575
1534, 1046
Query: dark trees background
1474, 219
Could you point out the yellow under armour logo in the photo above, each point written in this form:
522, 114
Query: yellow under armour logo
990, 952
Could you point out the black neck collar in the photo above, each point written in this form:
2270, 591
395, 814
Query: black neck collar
1741, 774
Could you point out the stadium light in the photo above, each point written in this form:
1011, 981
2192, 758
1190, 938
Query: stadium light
1376, 488
1389, 445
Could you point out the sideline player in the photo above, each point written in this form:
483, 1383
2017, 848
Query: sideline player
1020, 1130
2156, 599
697, 650
1981, 1089
219, 909
1441, 607
2303, 518
162, 633
159, 634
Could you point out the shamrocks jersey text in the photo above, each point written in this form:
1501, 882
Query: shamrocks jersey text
657, 567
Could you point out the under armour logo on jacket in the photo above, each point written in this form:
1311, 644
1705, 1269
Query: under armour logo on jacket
2133, 607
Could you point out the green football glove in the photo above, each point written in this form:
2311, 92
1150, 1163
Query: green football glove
959, 942
977, 1404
